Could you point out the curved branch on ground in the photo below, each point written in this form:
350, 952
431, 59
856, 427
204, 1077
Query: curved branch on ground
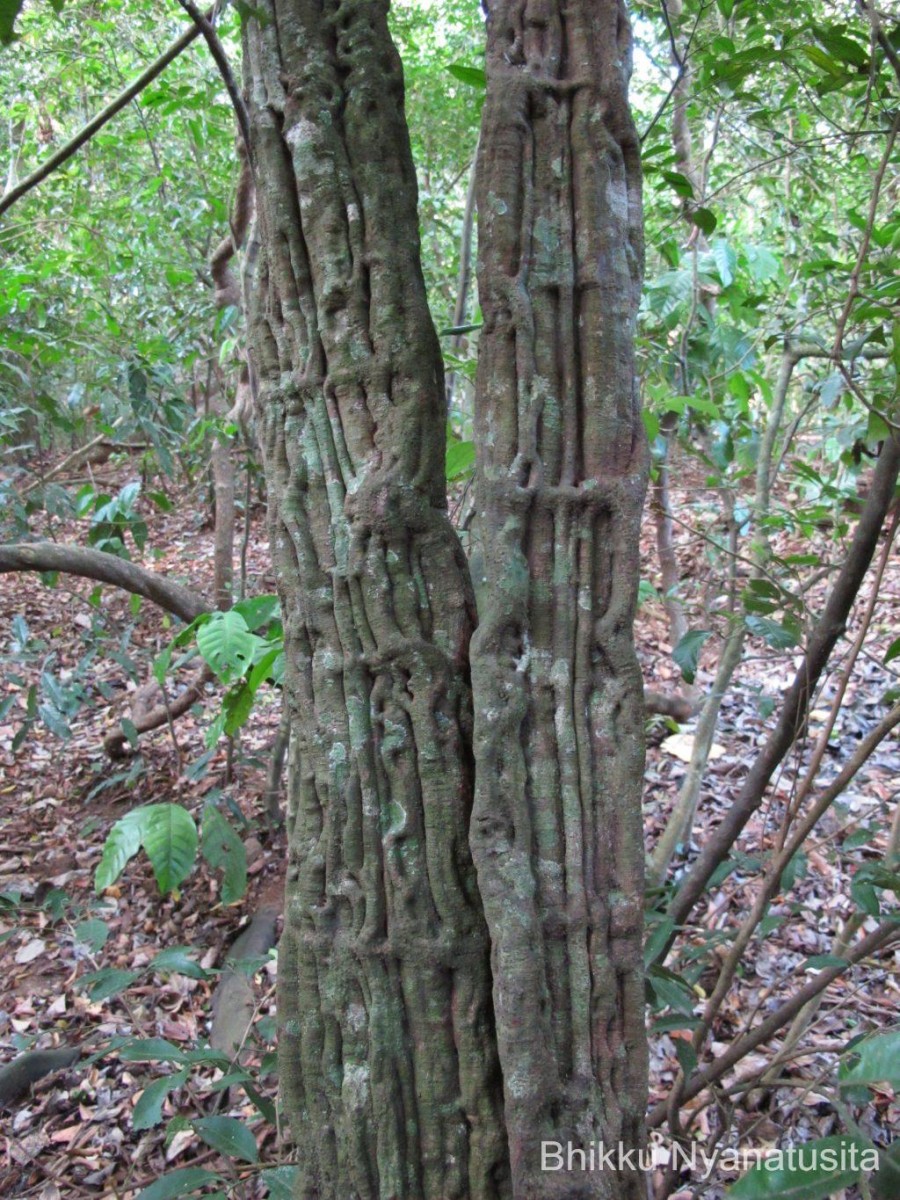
104, 568
115, 742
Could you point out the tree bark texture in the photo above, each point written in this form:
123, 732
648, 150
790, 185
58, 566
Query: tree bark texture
561, 476
388, 1053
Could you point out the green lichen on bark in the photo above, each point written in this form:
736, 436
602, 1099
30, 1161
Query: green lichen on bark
561, 474
387, 1050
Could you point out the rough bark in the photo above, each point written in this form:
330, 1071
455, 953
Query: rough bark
388, 1063
561, 475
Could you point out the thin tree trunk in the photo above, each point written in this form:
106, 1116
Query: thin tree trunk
388, 1062
561, 475
464, 279
794, 711
661, 507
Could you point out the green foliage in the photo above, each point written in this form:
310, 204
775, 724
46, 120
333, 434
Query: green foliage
229, 1136
874, 1060
687, 652
832, 1169
168, 835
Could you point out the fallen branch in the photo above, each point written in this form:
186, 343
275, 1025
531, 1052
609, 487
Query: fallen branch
115, 742
119, 572
104, 568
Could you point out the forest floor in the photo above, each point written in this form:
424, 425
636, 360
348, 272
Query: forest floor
74, 1136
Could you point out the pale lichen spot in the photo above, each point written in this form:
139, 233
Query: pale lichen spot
301, 133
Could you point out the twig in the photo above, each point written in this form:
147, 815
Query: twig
220, 58
65, 152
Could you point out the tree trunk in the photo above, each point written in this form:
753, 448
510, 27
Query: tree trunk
390, 1054
388, 1061
562, 469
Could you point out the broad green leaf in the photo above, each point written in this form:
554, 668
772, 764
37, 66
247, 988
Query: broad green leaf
169, 837
264, 669
109, 982
834, 1163
223, 849
281, 1182
460, 460
92, 933
843, 48
680, 183
237, 705
657, 938
893, 651
473, 76
670, 990
149, 1050
178, 961
825, 61
878, 1061
780, 636
687, 652
122, 843
229, 1136
886, 1183
148, 1110
705, 220
177, 1184
227, 644
258, 610
725, 260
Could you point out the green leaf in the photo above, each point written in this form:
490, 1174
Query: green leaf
148, 1110
177, 961
687, 653
258, 610
680, 183
828, 1173
170, 840
149, 1050
281, 1182
109, 982
725, 260
130, 730
460, 460
179, 1183
820, 59
237, 705
224, 850
670, 990
705, 220
229, 1136
264, 669
878, 1061
122, 843
843, 48
227, 644
92, 933
657, 938
893, 651
780, 636
473, 76
886, 1182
